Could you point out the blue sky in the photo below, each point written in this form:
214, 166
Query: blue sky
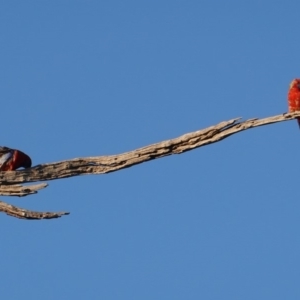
84, 78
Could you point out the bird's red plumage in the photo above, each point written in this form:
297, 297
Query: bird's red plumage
13, 159
294, 97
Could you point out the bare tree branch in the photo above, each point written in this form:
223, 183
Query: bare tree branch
106, 164
112, 163
21, 190
27, 214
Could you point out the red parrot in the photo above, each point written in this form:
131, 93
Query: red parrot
12, 159
294, 97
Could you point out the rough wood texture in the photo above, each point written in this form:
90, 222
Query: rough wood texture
21, 190
106, 164
27, 214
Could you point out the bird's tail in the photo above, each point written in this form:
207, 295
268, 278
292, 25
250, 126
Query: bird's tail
298, 120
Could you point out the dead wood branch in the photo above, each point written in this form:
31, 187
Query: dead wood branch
106, 164
27, 214
112, 163
21, 190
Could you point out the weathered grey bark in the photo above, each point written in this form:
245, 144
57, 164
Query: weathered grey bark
28, 214
21, 190
112, 163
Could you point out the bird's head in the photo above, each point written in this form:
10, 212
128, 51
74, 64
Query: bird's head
27, 162
22, 160
295, 84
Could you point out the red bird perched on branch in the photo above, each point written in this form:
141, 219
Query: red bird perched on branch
294, 97
12, 159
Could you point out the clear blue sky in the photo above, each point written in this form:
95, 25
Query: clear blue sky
85, 78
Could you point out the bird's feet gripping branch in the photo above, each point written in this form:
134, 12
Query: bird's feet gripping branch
294, 97
12, 159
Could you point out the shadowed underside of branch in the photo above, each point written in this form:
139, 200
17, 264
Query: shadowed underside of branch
112, 163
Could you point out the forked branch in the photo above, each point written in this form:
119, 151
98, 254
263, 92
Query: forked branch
112, 163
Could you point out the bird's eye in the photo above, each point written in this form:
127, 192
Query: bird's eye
298, 85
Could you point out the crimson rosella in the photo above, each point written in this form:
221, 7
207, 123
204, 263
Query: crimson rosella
294, 97
12, 159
